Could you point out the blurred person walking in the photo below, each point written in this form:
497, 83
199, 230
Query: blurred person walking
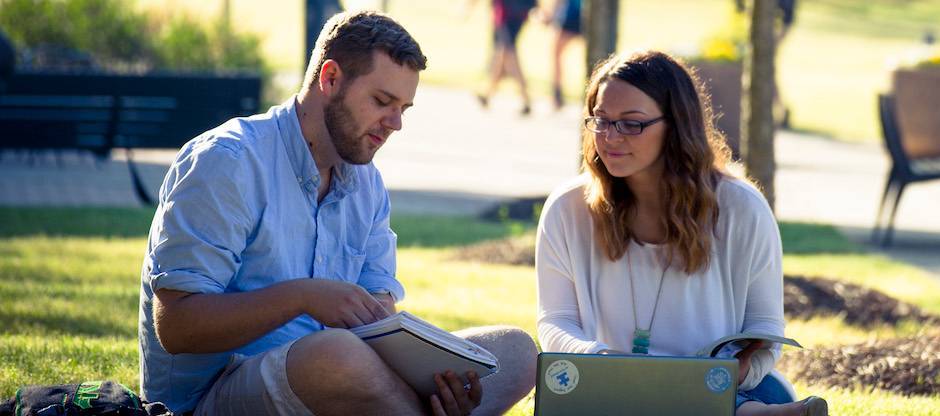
565, 16
509, 16
786, 11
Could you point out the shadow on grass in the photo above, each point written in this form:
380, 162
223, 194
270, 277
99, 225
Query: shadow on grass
75, 222
810, 238
52, 323
67, 309
434, 231
412, 230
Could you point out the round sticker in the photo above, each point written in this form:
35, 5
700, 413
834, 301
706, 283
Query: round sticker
718, 379
562, 377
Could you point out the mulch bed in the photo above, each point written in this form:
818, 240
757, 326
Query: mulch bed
857, 305
516, 251
903, 365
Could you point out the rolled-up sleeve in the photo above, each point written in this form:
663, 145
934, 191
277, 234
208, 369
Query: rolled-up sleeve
378, 271
202, 224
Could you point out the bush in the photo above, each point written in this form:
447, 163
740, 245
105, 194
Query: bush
119, 38
187, 44
930, 62
34, 22
107, 29
727, 44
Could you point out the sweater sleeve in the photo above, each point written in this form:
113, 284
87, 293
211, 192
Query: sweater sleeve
559, 321
763, 311
761, 363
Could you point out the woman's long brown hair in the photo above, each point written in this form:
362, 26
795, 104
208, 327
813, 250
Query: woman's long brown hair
694, 154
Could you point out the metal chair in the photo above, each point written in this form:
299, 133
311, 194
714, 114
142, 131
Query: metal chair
905, 169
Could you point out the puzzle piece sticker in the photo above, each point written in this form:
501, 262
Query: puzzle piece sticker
562, 377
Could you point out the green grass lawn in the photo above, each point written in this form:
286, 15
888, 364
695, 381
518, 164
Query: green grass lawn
69, 283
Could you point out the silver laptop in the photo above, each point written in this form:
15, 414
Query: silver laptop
592, 384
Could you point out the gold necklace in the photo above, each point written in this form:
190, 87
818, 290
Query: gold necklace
641, 337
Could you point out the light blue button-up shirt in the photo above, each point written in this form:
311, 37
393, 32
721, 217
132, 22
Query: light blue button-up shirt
238, 212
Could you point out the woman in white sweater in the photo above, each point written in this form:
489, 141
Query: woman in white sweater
655, 249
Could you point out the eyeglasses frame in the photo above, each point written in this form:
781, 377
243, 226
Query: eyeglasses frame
617, 123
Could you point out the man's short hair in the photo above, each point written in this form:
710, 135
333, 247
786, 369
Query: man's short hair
350, 38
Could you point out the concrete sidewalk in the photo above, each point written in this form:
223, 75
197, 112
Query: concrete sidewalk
454, 158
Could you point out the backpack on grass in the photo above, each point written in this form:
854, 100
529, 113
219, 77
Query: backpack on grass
88, 398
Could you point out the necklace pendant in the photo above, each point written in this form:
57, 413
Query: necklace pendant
641, 341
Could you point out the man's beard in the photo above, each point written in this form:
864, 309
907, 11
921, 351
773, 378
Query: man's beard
342, 129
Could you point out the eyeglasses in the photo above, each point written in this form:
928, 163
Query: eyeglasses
627, 127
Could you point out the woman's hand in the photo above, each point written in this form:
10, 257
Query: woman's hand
744, 358
452, 399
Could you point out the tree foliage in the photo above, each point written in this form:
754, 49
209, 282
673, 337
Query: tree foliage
118, 37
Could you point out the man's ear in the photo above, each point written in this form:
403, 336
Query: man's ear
331, 75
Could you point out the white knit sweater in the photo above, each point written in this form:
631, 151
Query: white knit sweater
585, 301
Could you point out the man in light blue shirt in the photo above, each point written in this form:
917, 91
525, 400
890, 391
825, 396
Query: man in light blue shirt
272, 234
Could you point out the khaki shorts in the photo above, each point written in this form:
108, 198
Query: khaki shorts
255, 385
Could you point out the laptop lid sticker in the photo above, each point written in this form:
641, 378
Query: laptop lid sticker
562, 377
718, 379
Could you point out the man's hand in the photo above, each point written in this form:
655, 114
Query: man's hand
744, 358
452, 399
342, 304
387, 301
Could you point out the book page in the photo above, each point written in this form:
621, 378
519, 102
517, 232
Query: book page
742, 340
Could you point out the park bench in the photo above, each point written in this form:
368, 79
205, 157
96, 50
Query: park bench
913, 159
99, 112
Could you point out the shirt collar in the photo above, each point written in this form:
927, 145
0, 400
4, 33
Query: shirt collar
346, 178
298, 151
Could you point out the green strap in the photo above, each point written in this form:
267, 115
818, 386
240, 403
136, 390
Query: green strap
133, 396
86, 392
19, 409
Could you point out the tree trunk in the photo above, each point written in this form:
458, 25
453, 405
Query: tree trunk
600, 21
757, 123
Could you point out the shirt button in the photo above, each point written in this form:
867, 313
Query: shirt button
299, 179
319, 259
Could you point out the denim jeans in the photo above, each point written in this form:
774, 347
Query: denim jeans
768, 391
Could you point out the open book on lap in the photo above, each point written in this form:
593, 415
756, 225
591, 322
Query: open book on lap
742, 340
417, 350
